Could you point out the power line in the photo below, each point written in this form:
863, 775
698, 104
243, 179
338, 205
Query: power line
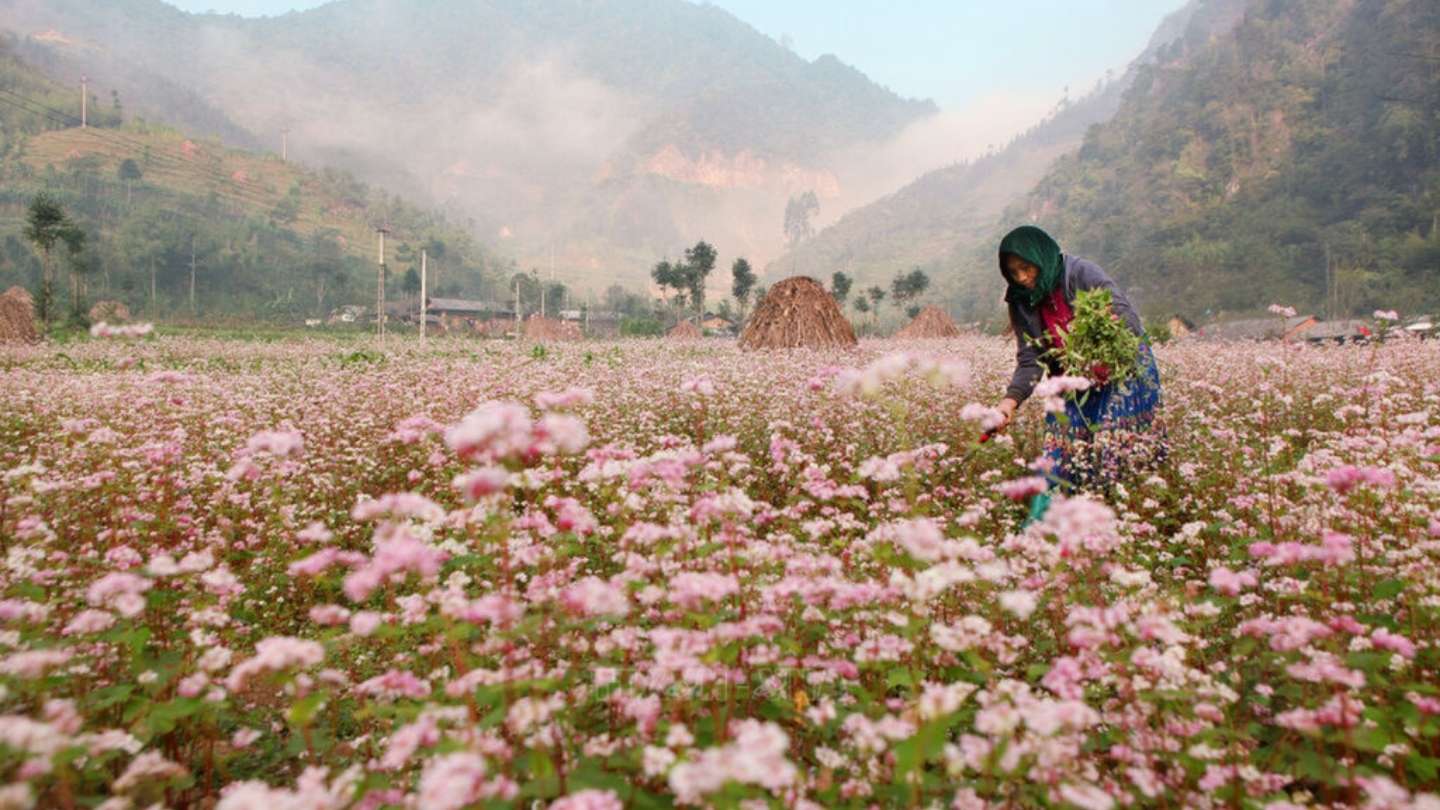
173, 163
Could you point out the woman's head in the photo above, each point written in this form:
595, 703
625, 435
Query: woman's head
1031, 263
1018, 271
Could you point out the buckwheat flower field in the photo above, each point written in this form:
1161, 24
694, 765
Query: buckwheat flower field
640, 574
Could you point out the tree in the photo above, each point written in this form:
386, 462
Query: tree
410, 283
699, 262
906, 287
530, 291
742, 282
46, 225
129, 172
669, 276
840, 287
325, 265
555, 296
876, 294
798, 212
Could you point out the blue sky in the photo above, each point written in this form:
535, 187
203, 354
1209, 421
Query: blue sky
953, 51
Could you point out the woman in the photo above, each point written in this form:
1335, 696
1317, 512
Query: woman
1113, 428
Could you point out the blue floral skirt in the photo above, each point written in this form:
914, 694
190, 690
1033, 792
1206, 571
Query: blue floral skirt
1108, 434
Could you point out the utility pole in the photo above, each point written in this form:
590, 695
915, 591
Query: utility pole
193, 311
380, 286
285, 145
518, 317
424, 293
84, 101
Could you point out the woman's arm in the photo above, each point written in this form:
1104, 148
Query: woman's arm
1027, 364
1089, 276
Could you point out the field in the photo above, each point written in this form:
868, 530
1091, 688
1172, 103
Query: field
306, 574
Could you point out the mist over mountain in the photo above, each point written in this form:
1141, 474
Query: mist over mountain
1294, 160
589, 136
948, 210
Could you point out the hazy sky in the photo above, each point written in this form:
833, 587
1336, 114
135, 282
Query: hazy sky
953, 51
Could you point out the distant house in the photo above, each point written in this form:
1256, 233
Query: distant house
1258, 329
483, 317
1349, 331
350, 313
601, 324
1421, 327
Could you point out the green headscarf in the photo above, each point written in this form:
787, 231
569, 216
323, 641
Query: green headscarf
1040, 249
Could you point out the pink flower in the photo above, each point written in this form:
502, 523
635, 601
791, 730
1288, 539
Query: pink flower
699, 386
564, 400
393, 559
920, 538
571, 516
451, 781
89, 621
278, 443
395, 684
589, 800
31, 664
121, 591
365, 622
1022, 488
314, 533
274, 654
593, 596
494, 431
482, 482
559, 434
690, 588
329, 615
1386, 640
988, 418
1230, 583
1345, 478
403, 505
1060, 386
1386, 315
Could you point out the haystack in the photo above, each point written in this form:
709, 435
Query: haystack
549, 329
685, 330
110, 312
797, 313
17, 317
932, 322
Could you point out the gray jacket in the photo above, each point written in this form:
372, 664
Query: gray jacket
1079, 274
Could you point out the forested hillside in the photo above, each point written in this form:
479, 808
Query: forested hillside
1296, 160
179, 227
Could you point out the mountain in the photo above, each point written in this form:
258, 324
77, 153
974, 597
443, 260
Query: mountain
1295, 160
948, 210
258, 236
593, 136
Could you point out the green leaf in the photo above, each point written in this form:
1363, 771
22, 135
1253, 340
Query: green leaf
163, 717
109, 696
302, 712
1389, 589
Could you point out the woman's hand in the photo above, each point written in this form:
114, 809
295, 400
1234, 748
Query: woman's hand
1007, 408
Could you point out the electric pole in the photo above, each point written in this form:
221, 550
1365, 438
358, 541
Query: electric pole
84, 101
285, 145
424, 293
380, 286
518, 317
193, 311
